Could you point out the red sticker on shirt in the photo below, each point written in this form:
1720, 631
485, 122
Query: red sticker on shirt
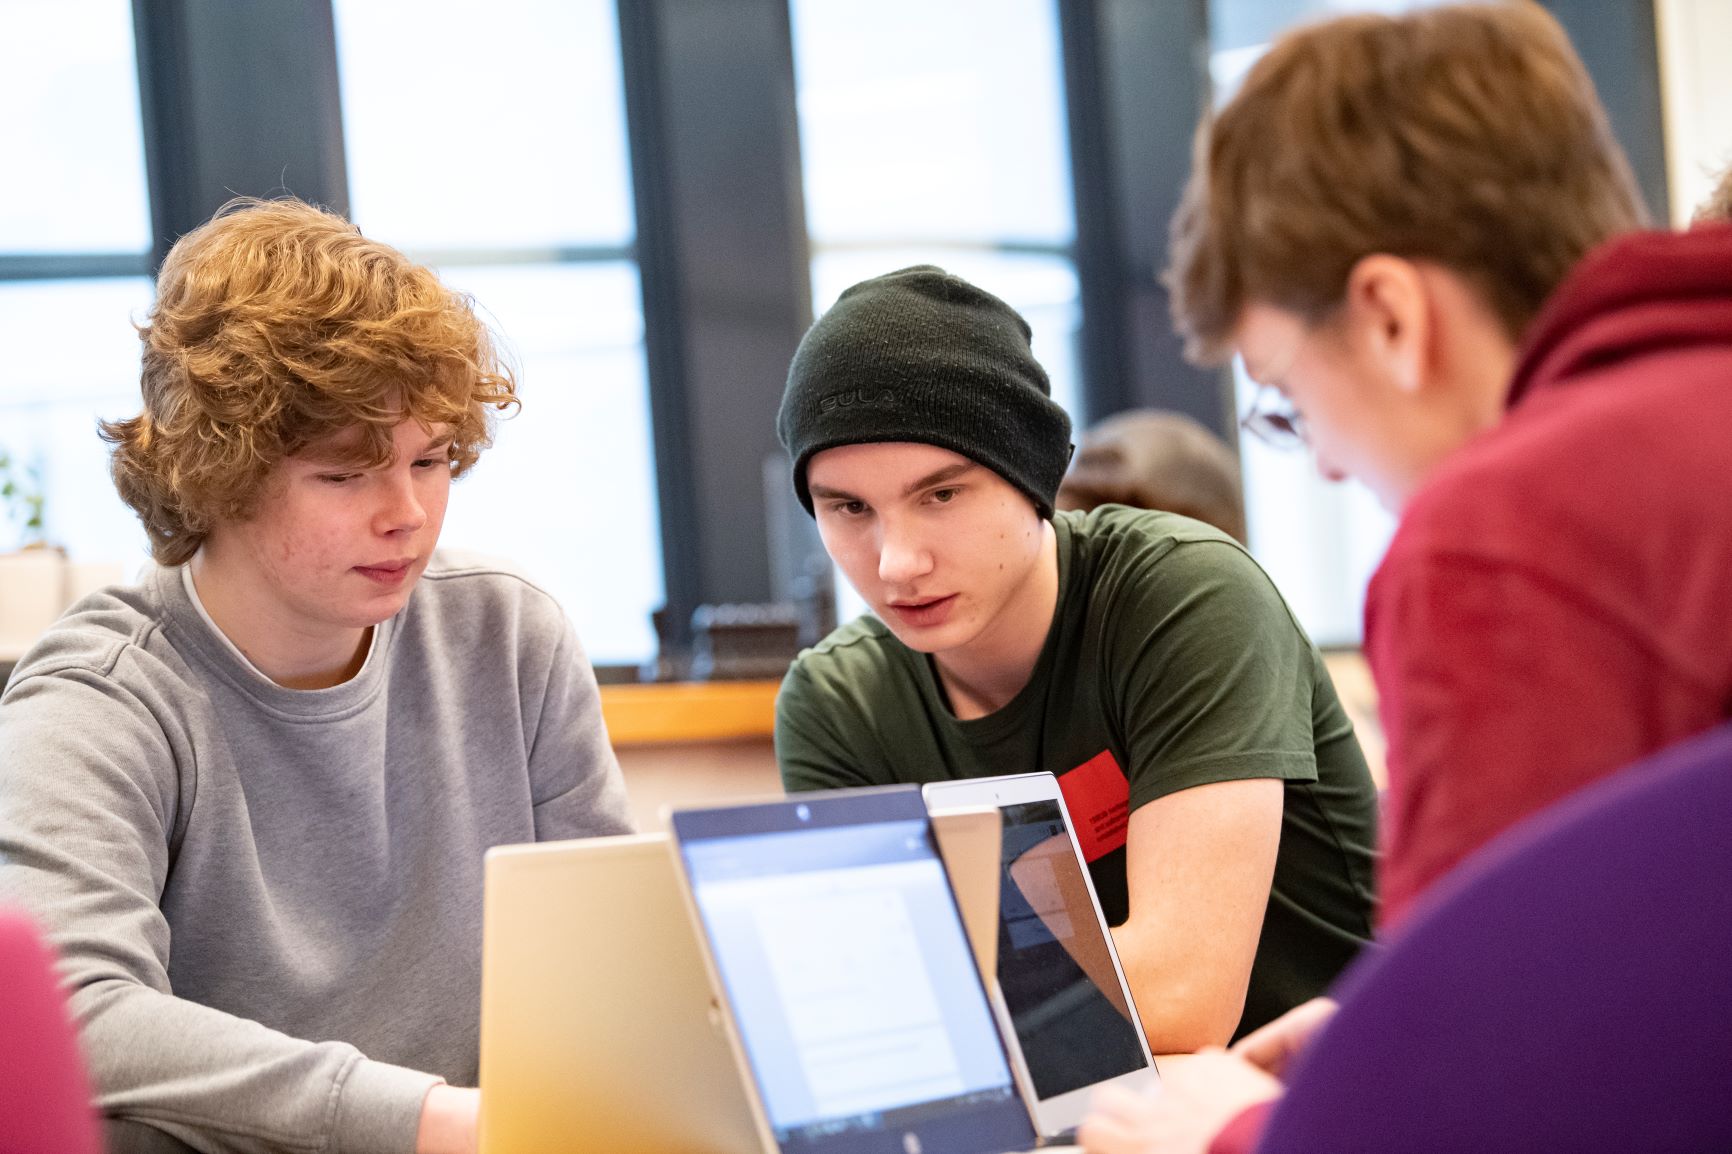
1099, 799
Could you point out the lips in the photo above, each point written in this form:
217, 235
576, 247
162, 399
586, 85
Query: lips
386, 573
924, 614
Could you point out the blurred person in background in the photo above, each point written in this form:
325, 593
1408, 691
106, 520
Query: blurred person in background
1152, 459
1717, 209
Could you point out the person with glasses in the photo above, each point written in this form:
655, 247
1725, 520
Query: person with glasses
1420, 235
1142, 657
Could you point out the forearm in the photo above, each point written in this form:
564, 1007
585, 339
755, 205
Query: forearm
1183, 1006
190, 1069
1198, 865
178, 1065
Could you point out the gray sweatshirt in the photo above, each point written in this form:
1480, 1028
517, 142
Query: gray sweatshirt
267, 901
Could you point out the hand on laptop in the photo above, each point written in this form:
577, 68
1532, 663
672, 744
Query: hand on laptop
449, 1118
1198, 1096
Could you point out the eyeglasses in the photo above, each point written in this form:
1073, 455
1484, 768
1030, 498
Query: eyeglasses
1274, 420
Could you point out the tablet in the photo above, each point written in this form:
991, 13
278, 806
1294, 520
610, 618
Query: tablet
848, 983
1057, 972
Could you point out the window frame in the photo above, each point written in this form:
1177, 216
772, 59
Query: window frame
245, 99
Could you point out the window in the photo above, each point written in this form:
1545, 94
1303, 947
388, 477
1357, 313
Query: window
1319, 541
490, 142
75, 240
1697, 89
935, 133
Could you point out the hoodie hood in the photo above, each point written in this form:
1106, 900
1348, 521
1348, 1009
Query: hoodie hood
1639, 292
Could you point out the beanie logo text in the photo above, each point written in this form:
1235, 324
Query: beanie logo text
850, 398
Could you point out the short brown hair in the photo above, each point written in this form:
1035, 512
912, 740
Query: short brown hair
1467, 135
278, 326
1717, 209
1150, 459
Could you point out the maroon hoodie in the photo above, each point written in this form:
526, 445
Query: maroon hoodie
1558, 599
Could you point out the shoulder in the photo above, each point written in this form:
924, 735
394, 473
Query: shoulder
460, 579
862, 644
834, 702
854, 656
1114, 539
106, 687
471, 595
102, 635
486, 617
1143, 562
857, 669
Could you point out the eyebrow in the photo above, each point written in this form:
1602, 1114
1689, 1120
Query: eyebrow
948, 473
938, 477
342, 451
826, 493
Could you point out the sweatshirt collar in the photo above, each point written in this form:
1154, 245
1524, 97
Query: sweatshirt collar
192, 630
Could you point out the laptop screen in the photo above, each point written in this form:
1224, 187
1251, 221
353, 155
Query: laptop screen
1073, 1021
843, 957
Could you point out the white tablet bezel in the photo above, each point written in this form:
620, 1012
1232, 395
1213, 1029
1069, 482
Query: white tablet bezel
1058, 1115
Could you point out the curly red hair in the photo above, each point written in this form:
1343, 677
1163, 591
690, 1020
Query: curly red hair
278, 326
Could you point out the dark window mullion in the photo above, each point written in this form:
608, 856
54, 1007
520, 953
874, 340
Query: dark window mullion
70, 266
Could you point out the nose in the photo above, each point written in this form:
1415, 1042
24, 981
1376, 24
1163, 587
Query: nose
1327, 468
902, 555
400, 508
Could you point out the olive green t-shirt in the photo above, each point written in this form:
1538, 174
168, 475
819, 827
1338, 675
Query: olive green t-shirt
1172, 661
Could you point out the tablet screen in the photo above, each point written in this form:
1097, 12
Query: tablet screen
850, 978
1055, 969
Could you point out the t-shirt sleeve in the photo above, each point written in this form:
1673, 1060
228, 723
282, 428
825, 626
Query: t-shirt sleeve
575, 778
1501, 690
1218, 677
90, 795
811, 749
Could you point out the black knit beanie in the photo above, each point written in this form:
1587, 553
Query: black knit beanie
921, 355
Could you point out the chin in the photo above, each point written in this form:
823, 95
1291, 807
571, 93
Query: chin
931, 642
381, 610
928, 646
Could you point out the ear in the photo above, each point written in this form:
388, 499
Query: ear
1389, 317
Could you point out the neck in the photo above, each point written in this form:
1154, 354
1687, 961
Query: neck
983, 676
290, 655
1477, 361
1486, 384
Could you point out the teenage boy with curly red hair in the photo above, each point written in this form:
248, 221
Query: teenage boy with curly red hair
248, 798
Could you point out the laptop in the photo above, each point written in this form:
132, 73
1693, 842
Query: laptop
850, 990
1056, 972
598, 1026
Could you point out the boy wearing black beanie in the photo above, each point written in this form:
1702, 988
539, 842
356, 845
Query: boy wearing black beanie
1143, 658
